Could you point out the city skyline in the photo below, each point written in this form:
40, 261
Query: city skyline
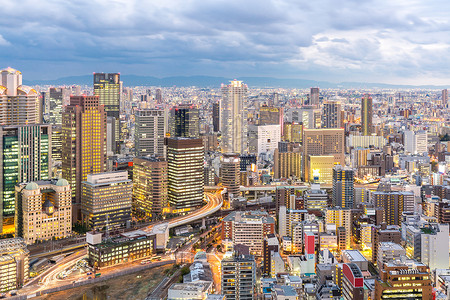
403, 42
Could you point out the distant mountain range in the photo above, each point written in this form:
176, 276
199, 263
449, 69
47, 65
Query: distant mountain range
214, 82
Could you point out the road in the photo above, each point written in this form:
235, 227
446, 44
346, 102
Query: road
49, 278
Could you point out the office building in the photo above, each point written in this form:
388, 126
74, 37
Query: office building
366, 141
270, 245
352, 282
55, 104
315, 198
393, 204
404, 281
238, 277
230, 174
314, 97
366, 115
435, 246
292, 132
185, 158
184, 121
106, 200
247, 160
124, 248
322, 142
14, 264
56, 138
216, 116
150, 187
343, 192
269, 115
43, 210
234, 117
83, 143
331, 115
263, 138
25, 156
150, 131
19, 103
248, 228
107, 87
416, 142
287, 163
384, 233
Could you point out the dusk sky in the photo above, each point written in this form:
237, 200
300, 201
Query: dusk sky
387, 41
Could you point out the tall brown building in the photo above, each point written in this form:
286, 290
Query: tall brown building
150, 181
83, 143
322, 142
382, 234
366, 115
287, 164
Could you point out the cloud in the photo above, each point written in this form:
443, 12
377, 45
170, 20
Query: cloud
324, 40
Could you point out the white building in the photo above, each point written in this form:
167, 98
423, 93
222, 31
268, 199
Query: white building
435, 246
263, 138
415, 142
277, 264
192, 290
388, 251
150, 131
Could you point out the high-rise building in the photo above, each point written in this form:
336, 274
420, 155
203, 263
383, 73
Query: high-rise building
239, 277
393, 204
366, 115
263, 138
106, 200
25, 156
150, 182
387, 252
315, 198
56, 144
151, 129
184, 121
158, 96
56, 96
340, 217
331, 114
107, 88
234, 117
269, 115
318, 142
43, 210
185, 158
14, 264
383, 233
343, 187
287, 164
19, 104
83, 143
216, 116
248, 228
444, 99
314, 97
416, 142
230, 174
292, 132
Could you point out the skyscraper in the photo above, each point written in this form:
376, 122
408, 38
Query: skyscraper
151, 128
234, 117
314, 97
444, 97
184, 121
185, 158
25, 156
83, 143
216, 116
366, 115
107, 88
331, 114
239, 277
342, 187
150, 183
19, 104
158, 96
393, 204
55, 105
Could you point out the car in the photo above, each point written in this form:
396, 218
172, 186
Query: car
89, 273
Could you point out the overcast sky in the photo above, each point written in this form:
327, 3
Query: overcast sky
388, 41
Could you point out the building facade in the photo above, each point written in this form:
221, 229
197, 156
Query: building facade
239, 277
106, 200
150, 131
14, 264
43, 210
184, 121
